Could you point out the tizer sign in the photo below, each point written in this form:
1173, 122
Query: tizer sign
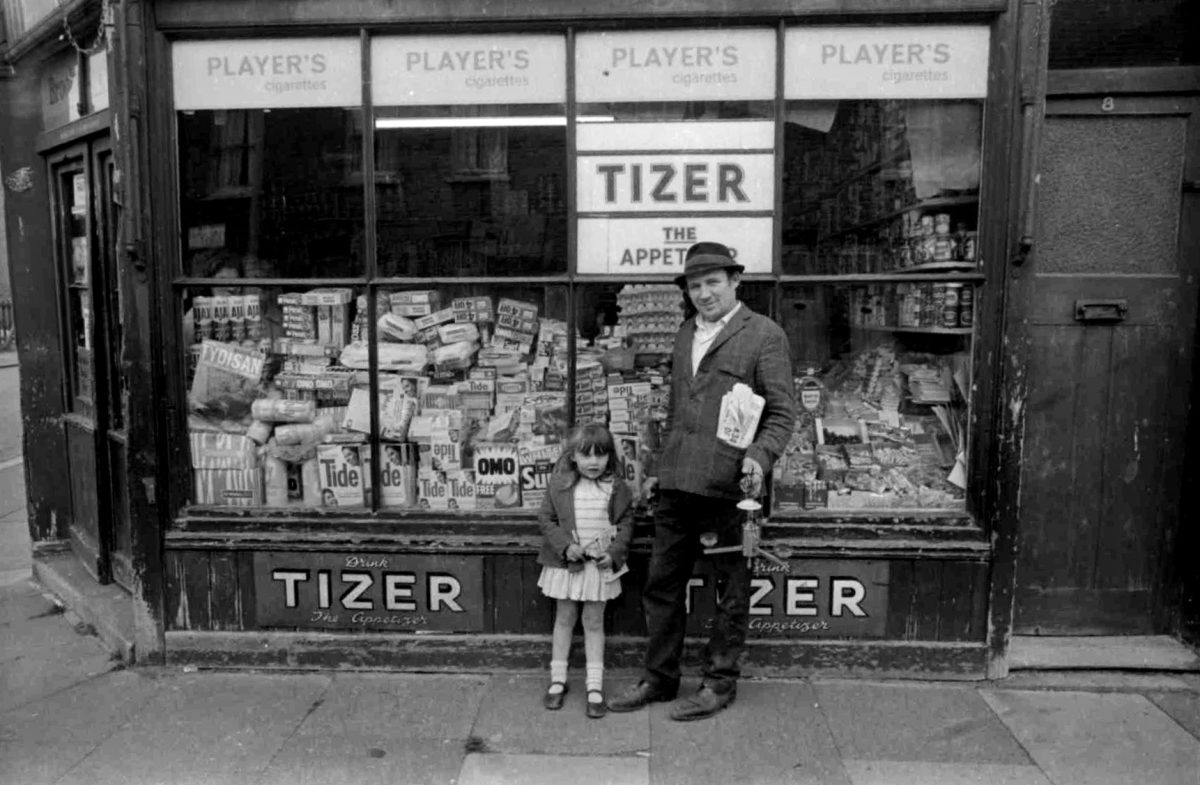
686, 183
379, 591
814, 598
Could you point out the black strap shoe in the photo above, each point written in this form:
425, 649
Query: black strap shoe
639, 695
554, 700
595, 704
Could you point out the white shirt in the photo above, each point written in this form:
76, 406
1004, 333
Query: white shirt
706, 332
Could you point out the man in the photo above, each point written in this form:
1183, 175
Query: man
701, 479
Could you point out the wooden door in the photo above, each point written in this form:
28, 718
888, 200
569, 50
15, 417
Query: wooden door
78, 227
116, 394
1104, 315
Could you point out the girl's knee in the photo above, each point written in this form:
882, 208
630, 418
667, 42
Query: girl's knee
593, 616
567, 613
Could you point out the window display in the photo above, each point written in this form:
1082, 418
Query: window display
466, 333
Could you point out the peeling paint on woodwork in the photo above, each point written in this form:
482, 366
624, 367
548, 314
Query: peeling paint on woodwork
182, 620
1015, 404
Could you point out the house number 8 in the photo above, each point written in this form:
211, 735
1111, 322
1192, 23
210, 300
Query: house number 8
1107, 105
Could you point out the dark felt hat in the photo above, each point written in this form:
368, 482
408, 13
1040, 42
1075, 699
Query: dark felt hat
704, 258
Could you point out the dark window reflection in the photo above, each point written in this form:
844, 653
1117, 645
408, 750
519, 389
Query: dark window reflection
280, 187
462, 198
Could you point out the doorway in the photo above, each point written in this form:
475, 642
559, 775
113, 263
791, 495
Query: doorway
1106, 311
84, 223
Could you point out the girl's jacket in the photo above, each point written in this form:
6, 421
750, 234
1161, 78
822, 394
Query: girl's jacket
557, 519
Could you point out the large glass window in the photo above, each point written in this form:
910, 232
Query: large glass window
883, 135
439, 347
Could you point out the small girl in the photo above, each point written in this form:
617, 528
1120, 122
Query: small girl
587, 523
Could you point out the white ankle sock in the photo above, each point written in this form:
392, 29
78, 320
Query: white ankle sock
558, 671
595, 678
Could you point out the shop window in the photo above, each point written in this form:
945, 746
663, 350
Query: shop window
881, 186
274, 374
476, 191
275, 185
881, 175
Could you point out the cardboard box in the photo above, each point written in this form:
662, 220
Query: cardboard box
536, 465
398, 475
222, 451
229, 487
343, 474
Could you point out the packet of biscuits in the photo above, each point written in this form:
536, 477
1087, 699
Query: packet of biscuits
741, 409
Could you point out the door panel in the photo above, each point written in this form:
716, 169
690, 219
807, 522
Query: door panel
81, 201
112, 441
1107, 310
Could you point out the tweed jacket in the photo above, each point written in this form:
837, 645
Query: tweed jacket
557, 519
750, 349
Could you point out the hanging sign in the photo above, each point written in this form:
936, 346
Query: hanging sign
97, 69
815, 598
933, 61
471, 70
368, 591
675, 65
656, 246
261, 73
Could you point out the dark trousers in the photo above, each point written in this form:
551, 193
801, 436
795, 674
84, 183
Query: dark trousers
681, 519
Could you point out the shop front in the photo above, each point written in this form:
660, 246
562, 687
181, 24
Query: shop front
397, 258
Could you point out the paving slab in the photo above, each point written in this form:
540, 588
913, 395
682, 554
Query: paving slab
383, 759
916, 722
773, 733
51, 669
513, 720
892, 772
1093, 681
510, 769
1080, 738
404, 705
210, 728
1145, 652
42, 740
1183, 707
31, 637
23, 601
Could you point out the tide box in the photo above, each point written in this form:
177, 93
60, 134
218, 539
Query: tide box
344, 475
454, 490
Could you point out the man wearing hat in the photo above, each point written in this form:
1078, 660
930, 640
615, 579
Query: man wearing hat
701, 479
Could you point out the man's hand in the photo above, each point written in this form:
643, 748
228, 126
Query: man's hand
752, 477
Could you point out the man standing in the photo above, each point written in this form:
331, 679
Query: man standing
701, 479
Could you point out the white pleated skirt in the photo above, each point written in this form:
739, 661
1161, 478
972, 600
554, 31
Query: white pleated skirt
586, 585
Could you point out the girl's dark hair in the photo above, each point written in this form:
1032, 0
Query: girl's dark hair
591, 439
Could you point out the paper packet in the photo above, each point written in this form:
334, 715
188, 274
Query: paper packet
741, 409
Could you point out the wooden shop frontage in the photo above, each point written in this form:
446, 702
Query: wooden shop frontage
373, 262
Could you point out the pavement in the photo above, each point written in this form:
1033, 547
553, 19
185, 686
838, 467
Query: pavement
71, 713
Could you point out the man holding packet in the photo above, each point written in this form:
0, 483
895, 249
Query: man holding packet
718, 445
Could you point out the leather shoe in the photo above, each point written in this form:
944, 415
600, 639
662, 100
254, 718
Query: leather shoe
596, 708
639, 695
705, 703
554, 700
